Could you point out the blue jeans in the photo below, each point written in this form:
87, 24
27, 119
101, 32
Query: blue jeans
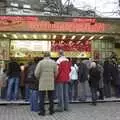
34, 105
13, 88
27, 93
83, 95
73, 90
94, 94
63, 97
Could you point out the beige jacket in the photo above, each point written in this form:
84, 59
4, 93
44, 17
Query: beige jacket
45, 72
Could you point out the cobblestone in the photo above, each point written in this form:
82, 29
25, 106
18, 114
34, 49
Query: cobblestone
103, 111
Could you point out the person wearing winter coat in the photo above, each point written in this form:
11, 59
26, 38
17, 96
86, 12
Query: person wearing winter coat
118, 83
94, 77
45, 73
13, 73
107, 78
33, 86
83, 78
73, 84
101, 84
62, 81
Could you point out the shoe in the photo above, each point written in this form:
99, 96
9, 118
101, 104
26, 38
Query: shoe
41, 114
94, 104
82, 100
67, 110
51, 112
59, 110
101, 98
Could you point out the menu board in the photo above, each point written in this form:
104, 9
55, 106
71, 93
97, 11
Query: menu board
4, 49
27, 48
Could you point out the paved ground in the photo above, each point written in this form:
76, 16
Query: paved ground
103, 111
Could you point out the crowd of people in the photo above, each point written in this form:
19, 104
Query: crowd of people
59, 80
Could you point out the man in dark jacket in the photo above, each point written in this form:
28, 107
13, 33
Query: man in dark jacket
107, 78
94, 81
33, 86
82, 77
13, 80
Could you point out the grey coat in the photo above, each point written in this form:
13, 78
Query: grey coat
45, 72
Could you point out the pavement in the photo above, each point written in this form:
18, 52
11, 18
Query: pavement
83, 111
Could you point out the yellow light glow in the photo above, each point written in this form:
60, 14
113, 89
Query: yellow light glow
82, 37
91, 37
54, 36
35, 36
101, 37
15, 36
25, 36
4, 35
64, 36
73, 37
45, 36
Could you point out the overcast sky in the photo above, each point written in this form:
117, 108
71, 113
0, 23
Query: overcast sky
105, 8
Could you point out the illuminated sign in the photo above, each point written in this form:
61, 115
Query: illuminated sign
35, 24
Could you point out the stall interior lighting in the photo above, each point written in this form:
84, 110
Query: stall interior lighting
15, 36
54, 36
82, 37
45, 36
4, 35
63, 37
73, 37
101, 37
25, 36
91, 37
35, 36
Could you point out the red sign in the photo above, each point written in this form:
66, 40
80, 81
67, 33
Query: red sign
70, 45
34, 24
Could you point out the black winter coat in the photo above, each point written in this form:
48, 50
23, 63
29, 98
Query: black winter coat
82, 72
13, 69
94, 77
107, 72
31, 80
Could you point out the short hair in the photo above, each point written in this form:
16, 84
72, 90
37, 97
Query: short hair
46, 54
61, 52
36, 59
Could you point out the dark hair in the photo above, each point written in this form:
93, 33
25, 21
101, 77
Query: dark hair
4, 70
36, 59
46, 54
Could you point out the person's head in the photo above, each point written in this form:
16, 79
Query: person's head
21, 64
78, 61
12, 59
36, 59
61, 53
46, 54
4, 70
93, 65
29, 63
